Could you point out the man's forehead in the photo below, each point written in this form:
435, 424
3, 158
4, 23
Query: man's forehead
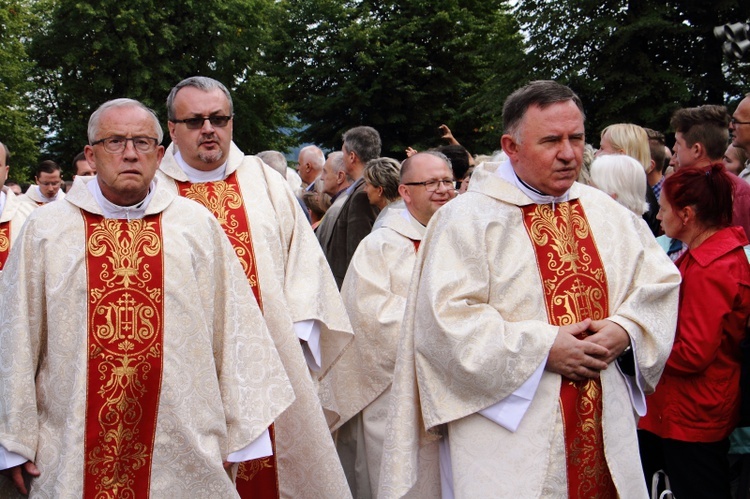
191, 99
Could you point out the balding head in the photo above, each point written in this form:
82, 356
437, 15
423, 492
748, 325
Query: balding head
311, 160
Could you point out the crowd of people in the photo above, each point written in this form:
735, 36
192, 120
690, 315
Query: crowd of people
551, 320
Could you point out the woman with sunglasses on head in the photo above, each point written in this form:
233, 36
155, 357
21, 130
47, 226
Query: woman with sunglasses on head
696, 403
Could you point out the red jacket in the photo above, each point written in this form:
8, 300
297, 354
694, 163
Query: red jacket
698, 396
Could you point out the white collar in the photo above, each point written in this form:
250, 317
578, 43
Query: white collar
416, 224
3, 198
111, 210
198, 176
506, 172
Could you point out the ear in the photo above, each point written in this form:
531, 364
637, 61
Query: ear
510, 146
698, 150
88, 152
687, 214
405, 194
171, 126
651, 167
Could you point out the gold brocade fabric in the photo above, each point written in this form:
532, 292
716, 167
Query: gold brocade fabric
125, 288
224, 200
4, 242
575, 288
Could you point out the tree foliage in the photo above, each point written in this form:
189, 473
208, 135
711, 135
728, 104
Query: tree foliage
635, 60
90, 52
403, 67
17, 128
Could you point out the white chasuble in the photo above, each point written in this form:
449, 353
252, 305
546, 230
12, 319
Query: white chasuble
476, 329
295, 285
221, 381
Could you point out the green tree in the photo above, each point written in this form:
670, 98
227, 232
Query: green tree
90, 52
635, 60
403, 67
17, 128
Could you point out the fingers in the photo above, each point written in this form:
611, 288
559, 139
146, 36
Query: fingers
17, 477
577, 328
31, 468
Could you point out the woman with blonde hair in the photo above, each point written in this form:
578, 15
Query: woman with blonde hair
632, 140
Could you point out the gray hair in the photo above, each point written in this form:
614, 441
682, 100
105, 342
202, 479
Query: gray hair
202, 83
96, 116
317, 156
275, 160
338, 165
364, 141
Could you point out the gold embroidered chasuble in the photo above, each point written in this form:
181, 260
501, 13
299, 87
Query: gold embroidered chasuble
125, 344
476, 327
221, 385
295, 285
259, 477
11, 220
575, 288
374, 291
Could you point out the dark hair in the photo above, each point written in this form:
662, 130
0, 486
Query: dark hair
707, 125
364, 141
79, 157
708, 190
459, 157
47, 166
656, 148
542, 93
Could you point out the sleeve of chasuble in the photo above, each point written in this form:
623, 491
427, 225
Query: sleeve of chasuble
22, 332
469, 352
644, 287
309, 287
255, 389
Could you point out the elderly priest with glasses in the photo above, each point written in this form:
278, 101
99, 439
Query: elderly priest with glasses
134, 360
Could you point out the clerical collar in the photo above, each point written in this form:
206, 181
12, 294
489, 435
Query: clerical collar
44, 198
111, 210
198, 176
3, 197
506, 172
416, 224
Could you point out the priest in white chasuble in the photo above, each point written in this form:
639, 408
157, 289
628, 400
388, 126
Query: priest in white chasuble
540, 315
375, 290
13, 213
285, 266
131, 363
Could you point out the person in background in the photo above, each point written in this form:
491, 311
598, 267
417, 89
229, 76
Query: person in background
623, 178
696, 403
48, 179
381, 185
735, 160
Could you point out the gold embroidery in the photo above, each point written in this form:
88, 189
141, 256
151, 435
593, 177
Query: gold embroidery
223, 198
124, 249
248, 469
124, 353
4, 239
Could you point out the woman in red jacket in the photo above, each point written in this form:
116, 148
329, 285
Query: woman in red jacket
696, 403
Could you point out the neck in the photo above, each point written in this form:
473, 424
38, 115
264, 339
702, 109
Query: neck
700, 235
654, 177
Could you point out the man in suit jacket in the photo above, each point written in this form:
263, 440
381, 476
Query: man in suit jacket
355, 220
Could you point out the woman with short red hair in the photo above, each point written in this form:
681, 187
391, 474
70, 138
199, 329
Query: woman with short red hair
696, 403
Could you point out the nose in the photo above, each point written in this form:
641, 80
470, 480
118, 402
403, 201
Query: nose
130, 151
207, 126
567, 153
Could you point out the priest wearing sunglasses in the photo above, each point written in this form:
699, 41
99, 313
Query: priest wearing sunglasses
285, 267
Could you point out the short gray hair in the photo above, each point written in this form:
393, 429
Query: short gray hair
96, 116
338, 165
364, 141
275, 160
200, 82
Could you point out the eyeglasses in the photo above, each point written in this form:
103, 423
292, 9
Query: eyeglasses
733, 121
196, 123
117, 143
433, 185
